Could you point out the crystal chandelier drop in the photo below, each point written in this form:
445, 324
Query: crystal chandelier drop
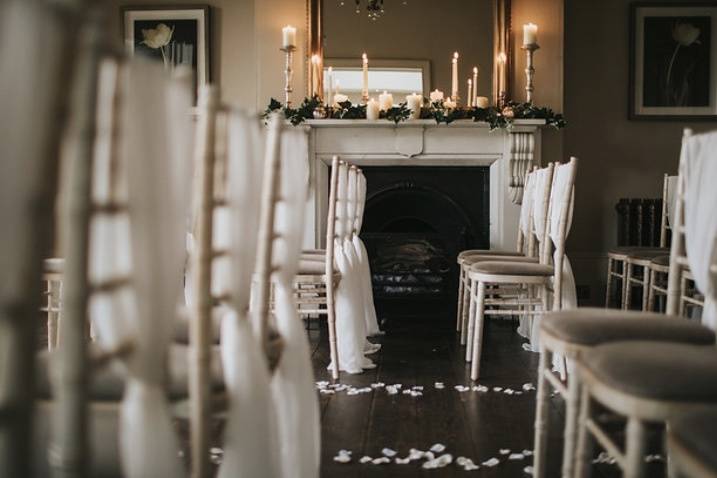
374, 8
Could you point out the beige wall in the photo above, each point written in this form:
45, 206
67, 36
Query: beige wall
420, 30
245, 42
618, 157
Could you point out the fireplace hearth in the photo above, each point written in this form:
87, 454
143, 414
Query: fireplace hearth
416, 222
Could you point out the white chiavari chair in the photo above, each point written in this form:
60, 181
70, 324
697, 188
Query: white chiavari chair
36, 94
315, 292
649, 381
52, 278
525, 247
534, 276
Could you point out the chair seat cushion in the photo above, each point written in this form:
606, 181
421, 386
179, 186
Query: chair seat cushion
107, 383
662, 260
594, 326
309, 267
512, 268
471, 260
485, 252
645, 257
695, 434
621, 253
656, 370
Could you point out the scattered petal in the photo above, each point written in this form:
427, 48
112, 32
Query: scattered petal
528, 387
528, 470
381, 461
504, 451
462, 388
527, 452
491, 462
365, 459
402, 461
342, 458
440, 462
438, 448
418, 387
497, 389
388, 452
392, 390
516, 456
480, 388
439, 385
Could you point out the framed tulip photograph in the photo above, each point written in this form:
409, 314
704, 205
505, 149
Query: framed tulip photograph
673, 68
172, 35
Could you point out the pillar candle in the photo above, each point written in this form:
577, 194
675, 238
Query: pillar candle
482, 102
385, 101
454, 76
315, 72
475, 86
372, 109
330, 94
469, 95
288, 36
436, 95
530, 34
364, 89
414, 103
502, 58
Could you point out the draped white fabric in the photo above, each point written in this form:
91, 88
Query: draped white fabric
350, 320
364, 267
526, 210
250, 433
700, 170
297, 406
155, 126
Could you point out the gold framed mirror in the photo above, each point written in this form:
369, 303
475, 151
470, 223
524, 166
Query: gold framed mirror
481, 29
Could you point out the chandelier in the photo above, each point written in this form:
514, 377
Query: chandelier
374, 8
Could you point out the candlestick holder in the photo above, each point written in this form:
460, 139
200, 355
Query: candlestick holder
364, 98
529, 70
288, 73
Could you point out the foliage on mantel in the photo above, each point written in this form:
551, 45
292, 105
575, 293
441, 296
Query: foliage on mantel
495, 117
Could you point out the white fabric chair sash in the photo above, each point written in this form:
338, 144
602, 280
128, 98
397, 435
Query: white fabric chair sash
350, 320
700, 171
362, 258
671, 199
297, 405
561, 181
539, 214
250, 433
155, 124
527, 207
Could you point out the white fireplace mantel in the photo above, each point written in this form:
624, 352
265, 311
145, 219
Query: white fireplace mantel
509, 153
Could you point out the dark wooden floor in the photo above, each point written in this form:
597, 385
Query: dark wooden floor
471, 424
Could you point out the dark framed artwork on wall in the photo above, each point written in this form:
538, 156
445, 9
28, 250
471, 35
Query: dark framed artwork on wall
173, 35
673, 61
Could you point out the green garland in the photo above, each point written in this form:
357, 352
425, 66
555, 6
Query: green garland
496, 118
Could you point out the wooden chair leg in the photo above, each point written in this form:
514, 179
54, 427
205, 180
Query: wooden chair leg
608, 287
584, 451
469, 327
333, 347
571, 424
541, 414
635, 448
627, 287
465, 308
478, 332
459, 312
651, 290
645, 286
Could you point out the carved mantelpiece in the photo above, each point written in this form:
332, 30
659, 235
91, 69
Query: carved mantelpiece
509, 153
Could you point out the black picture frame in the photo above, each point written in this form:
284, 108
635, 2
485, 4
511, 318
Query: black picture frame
182, 19
663, 45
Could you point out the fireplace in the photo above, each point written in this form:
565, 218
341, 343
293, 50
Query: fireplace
417, 220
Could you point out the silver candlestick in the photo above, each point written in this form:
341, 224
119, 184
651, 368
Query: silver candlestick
288, 73
529, 70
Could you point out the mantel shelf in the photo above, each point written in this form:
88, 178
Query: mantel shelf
326, 123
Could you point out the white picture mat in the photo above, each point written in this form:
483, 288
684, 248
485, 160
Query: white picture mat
640, 15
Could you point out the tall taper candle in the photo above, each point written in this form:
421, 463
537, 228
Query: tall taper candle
469, 96
364, 89
475, 86
454, 77
315, 78
330, 95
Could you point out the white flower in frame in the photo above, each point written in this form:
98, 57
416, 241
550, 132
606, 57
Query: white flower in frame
685, 34
157, 37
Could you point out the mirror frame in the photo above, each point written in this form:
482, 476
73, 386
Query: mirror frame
502, 43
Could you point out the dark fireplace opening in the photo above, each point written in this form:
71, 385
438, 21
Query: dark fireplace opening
417, 220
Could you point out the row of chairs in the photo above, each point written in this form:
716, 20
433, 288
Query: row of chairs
107, 407
645, 269
531, 281
644, 368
